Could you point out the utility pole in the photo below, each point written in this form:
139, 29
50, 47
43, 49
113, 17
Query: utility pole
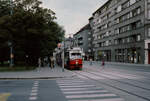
10, 42
63, 57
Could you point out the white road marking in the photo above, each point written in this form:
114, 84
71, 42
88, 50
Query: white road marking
82, 77
33, 94
90, 96
85, 92
112, 99
93, 76
35, 90
32, 98
76, 89
70, 84
36, 85
77, 86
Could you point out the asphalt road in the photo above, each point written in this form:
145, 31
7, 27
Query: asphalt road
30, 90
131, 82
112, 82
66, 89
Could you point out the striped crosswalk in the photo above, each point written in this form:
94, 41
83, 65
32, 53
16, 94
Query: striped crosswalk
77, 90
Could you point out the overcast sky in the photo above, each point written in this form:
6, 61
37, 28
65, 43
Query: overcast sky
73, 14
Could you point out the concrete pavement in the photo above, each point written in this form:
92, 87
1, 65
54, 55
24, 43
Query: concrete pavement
39, 73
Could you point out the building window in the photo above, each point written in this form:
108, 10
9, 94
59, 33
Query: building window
149, 14
123, 40
139, 10
107, 43
117, 31
128, 39
131, 15
138, 37
124, 29
119, 9
116, 41
132, 2
136, 11
125, 5
149, 32
135, 25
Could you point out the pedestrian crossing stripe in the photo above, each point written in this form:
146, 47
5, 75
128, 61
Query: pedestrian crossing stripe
113, 99
90, 96
76, 90
4, 96
87, 92
77, 86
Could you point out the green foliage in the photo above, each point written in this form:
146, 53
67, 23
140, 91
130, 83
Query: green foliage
30, 27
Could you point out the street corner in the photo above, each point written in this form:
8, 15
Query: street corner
4, 96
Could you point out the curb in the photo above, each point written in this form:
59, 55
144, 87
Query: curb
35, 78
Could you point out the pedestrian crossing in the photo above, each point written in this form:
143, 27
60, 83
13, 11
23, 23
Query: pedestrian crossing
78, 90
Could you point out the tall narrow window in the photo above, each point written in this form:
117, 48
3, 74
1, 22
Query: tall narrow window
149, 32
149, 14
132, 2
138, 37
119, 8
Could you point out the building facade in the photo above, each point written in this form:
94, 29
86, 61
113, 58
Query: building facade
121, 31
83, 40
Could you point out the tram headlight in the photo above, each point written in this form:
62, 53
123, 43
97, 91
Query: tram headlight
76, 62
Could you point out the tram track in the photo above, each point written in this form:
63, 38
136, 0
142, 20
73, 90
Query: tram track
121, 81
147, 75
115, 86
121, 77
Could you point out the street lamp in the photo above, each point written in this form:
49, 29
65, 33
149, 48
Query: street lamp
10, 44
63, 56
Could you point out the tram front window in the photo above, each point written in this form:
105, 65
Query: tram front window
75, 55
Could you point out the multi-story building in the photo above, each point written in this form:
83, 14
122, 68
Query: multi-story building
121, 31
83, 40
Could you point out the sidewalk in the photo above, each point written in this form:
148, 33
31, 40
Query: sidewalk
118, 63
39, 73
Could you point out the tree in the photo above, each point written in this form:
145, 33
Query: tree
31, 28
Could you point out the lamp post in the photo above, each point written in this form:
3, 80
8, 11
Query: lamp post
11, 54
63, 56
10, 44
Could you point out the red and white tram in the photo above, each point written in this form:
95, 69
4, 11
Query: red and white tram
73, 58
